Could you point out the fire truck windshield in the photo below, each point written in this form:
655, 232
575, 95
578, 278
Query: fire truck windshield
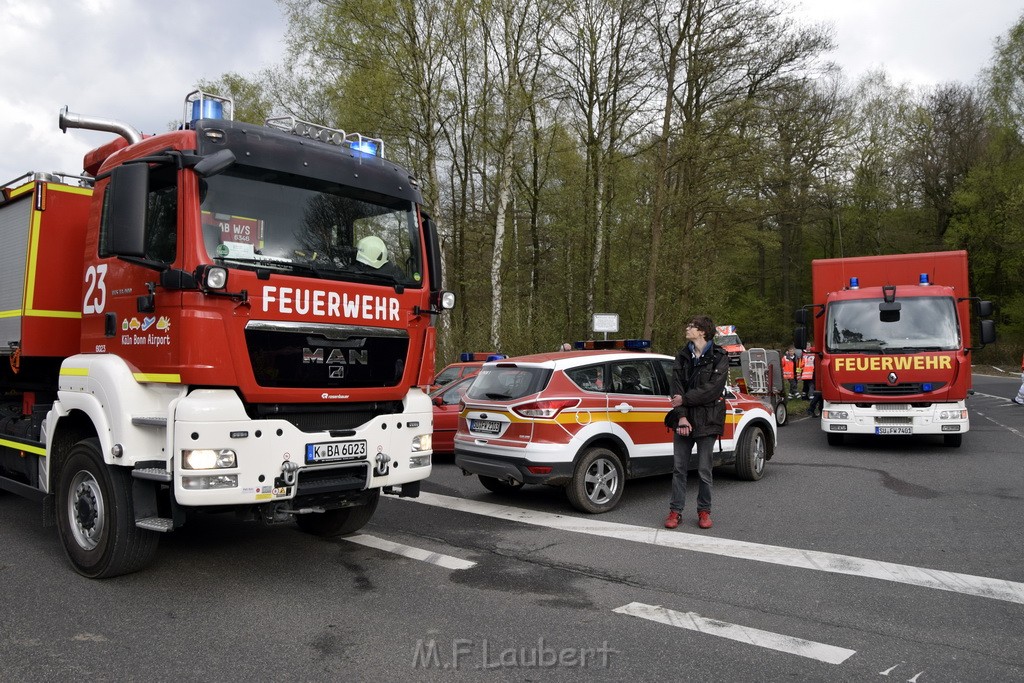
254, 218
924, 324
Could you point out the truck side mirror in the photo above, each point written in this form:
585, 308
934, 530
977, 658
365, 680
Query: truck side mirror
800, 338
984, 309
127, 196
800, 316
215, 163
988, 332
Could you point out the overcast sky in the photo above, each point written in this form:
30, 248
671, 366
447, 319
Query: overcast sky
135, 60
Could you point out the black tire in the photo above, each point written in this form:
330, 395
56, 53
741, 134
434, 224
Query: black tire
339, 521
835, 439
953, 440
751, 454
781, 414
597, 481
502, 486
95, 517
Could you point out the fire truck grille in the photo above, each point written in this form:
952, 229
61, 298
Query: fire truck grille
326, 356
324, 417
318, 486
908, 389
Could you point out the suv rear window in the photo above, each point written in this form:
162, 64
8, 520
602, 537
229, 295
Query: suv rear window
504, 383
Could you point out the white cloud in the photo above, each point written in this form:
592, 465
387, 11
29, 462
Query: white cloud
130, 60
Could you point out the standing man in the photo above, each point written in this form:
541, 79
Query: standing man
697, 416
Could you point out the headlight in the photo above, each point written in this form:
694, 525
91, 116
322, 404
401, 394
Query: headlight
208, 459
423, 442
216, 278
953, 415
835, 415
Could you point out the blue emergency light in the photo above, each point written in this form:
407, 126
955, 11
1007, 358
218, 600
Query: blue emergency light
854, 283
364, 147
207, 109
923, 280
926, 387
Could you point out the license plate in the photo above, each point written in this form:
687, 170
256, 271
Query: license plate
894, 430
485, 426
334, 451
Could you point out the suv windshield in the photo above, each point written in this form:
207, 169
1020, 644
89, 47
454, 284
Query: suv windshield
505, 383
256, 218
924, 324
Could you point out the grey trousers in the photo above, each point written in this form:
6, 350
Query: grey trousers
682, 446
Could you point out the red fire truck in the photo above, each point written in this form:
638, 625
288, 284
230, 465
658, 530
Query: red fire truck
893, 344
194, 324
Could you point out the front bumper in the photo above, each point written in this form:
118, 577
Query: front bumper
271, 461
883, 419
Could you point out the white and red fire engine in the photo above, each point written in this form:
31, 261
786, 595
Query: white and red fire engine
188, 325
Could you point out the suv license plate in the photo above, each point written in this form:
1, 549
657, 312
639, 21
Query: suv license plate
334, 451
485, 426
894, 430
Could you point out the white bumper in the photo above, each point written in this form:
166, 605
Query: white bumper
892, 418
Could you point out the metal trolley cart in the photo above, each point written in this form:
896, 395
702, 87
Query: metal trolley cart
762, 377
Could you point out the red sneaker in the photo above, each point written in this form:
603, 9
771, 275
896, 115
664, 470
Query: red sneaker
703, 519
672, 521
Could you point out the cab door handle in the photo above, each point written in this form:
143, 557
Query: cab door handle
624, 407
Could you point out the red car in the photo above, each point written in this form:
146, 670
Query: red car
447, 404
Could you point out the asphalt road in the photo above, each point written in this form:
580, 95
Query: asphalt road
896, 559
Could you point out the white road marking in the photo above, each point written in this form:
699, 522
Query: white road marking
889, 670
440, 560
692, 621
996, 589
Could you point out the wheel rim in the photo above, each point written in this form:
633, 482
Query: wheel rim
780, 413
601, 482
758, 450
85, 510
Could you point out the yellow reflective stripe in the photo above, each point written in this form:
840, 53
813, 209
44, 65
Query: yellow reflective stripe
33, 252
69, 189
74, 372
27, 187
156, 377
10, 314
52, 314
22, 447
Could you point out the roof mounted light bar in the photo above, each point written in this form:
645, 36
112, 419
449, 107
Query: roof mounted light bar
360, 144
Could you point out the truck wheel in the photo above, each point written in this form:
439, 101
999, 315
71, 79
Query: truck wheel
751, 454
835, 439
95, 518
496, 485
597, 481
953, 440
781, 413
340, 521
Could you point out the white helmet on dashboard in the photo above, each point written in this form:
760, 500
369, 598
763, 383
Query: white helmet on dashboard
372, 251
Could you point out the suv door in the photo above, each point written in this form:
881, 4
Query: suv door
637, 403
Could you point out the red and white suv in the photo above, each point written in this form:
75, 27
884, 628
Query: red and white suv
589, 421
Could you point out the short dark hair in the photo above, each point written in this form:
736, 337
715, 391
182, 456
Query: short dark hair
704, 324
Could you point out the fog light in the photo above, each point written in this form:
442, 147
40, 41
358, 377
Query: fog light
217, 481
419, 461
208, 459
423, 442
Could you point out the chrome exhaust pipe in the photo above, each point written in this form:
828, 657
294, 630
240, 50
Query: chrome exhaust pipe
70, 120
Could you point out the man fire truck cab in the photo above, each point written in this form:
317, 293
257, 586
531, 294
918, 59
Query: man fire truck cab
185, 330
893, 344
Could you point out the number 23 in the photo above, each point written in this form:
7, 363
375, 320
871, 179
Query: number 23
96, 292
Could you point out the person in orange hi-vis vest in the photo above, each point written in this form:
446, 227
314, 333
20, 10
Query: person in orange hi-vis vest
807, 374
789, 370
1019, 398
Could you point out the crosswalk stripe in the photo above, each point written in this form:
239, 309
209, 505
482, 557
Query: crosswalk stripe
996, 589
409, 551
743, 634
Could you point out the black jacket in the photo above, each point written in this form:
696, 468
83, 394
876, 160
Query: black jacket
702, 386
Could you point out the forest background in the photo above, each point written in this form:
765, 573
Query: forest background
656, 158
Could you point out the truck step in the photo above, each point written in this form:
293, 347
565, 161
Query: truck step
149, 420
152, 474
156, 524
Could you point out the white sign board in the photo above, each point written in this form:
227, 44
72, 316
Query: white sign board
606, 322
